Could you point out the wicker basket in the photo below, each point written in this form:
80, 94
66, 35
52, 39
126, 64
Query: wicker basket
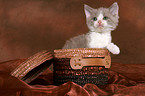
81, 65
32, 67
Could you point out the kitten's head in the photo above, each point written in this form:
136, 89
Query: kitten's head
102, 19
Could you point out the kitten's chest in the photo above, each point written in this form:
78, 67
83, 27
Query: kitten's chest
97, 40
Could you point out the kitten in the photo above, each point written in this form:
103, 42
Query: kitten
100, 22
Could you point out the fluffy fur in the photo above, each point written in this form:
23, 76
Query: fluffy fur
100, 22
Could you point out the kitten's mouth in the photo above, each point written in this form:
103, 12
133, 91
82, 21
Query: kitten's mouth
100, 26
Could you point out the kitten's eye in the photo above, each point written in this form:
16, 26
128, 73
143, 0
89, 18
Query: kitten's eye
95, 18
105, 18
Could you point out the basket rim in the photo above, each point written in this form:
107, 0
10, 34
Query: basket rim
79, 49
83, 52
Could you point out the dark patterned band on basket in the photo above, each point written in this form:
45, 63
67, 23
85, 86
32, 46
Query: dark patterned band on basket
83, 79
63, 73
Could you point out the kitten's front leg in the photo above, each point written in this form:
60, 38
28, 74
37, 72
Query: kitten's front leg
113, 48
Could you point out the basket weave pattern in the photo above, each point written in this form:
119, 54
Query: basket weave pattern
97, 75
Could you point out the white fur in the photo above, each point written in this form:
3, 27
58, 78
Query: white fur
98, 40
113, 48
102, 40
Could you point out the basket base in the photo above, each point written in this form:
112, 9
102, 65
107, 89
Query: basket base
63, 73
82, 79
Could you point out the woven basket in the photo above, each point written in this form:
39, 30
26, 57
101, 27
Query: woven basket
81, 65
32, 67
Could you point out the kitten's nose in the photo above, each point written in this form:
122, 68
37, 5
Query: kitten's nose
100, 22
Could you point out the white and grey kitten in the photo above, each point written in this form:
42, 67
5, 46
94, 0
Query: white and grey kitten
100, 22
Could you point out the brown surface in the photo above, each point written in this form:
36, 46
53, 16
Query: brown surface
134, 72
118, 84
28, 26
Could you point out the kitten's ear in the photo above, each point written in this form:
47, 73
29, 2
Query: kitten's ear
114, 8
87, 10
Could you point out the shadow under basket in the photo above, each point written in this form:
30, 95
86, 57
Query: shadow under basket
81, 66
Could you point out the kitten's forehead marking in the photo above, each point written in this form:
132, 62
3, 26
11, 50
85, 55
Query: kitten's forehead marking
100, 17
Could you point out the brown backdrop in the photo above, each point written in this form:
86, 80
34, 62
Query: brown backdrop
29, 26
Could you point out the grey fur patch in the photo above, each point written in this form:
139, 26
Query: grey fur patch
76, 42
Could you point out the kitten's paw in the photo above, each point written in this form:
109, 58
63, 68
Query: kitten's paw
114, 49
